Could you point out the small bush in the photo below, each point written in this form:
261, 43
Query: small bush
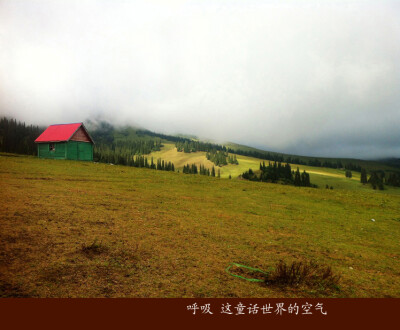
299, 273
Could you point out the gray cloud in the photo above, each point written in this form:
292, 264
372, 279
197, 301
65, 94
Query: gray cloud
312, 78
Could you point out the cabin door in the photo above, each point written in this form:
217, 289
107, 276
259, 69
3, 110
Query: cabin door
81, 151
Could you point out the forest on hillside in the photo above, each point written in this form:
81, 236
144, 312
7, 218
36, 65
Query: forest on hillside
279, 173
126, 146
17, 137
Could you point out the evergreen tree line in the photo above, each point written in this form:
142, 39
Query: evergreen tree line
351, 167
277, 172
138, 147
16, 137
192, 169
143, 162
214, 152
185, 144
379, 178
258, 154
104, 132
302, 180
118, 152
376, 180
338, 164
393, 179
189, 146
221, 158
171, 138
109, 149
163, 165
233, 160
295, 160
217, 157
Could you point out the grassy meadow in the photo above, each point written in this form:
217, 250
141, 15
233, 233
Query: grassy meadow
80, 229
320, 176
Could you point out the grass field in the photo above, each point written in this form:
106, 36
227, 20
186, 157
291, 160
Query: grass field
320, 176
77, 229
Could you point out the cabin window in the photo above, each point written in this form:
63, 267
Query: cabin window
52, 147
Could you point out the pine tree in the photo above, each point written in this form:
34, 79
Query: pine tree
297, 178
376, 181
363, 178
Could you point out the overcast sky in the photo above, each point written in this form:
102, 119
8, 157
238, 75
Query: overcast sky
304, 77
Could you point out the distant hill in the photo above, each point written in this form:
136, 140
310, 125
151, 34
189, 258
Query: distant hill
116, 142
392, 164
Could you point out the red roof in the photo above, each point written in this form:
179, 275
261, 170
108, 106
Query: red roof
57, 133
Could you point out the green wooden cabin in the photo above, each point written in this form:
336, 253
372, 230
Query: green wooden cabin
65, 141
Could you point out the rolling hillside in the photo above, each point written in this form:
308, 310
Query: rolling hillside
320, 176
118, 144
77, 229
371, 165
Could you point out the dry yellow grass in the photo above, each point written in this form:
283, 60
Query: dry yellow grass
170, 153
320, 176
74, 229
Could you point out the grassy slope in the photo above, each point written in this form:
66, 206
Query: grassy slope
169, 153
370, 165
129, 133
320, 176
163, 234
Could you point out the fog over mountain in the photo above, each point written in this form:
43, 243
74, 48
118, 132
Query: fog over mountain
303, 77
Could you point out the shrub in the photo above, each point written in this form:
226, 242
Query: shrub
298, 273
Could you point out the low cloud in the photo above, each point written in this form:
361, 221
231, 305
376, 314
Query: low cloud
306, 78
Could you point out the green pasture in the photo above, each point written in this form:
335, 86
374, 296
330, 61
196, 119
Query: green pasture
81, 229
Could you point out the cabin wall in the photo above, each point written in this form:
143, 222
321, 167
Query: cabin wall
80, 135
79, 150
85, 151
58, 153
73, 150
